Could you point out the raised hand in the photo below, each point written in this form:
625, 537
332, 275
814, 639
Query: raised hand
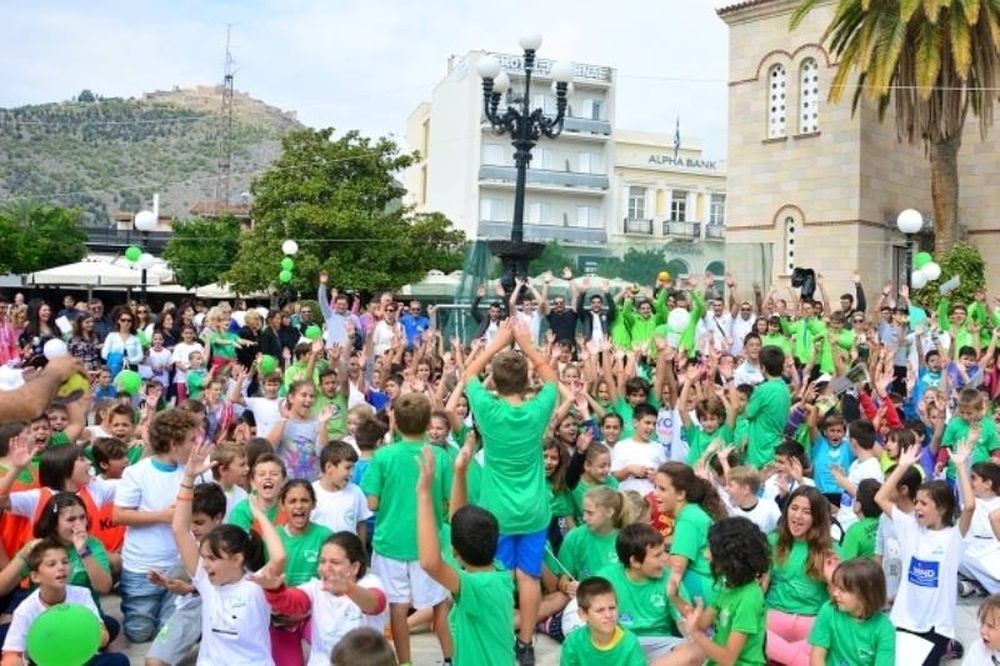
323, 277
266, 578
199, 459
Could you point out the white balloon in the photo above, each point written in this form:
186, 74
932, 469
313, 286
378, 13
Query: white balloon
146, 261
290, 247
932, 271
918, 280
55, 348
678, 320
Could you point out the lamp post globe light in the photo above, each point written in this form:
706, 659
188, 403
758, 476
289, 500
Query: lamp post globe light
525, 127
909, 222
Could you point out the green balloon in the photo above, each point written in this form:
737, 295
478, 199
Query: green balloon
133, 253
285, 276
921, 259
287, 263
267, 364
64, 635
128, 382
313, 332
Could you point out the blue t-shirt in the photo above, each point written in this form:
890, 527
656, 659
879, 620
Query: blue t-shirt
414, 327
824, 455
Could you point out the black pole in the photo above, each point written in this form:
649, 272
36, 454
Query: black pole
909, 260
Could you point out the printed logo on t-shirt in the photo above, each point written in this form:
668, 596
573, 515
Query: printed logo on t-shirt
923, 573
724, 617
310, 555
657, 601
625, 619
350, 517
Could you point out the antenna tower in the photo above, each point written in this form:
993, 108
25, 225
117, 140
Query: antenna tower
225, 138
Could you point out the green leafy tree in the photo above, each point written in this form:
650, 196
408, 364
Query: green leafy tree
935, 61
553, 258
964, 261
639, 266
202, 250
339, 199
38, 237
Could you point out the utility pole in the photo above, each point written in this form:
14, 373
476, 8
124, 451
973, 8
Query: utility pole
225, 138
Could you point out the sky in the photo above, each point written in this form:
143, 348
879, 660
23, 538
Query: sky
366, 64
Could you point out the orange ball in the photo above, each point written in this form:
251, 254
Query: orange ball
663, 276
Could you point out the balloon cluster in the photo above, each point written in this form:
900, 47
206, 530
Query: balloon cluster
924, 270
289, 248
136, 256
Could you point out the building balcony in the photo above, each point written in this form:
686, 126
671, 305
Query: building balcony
543, 233
545, 177
683, 229
586, 126
693, 230
638, 226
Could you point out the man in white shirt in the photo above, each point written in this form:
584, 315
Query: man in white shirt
718, 326
336, 316
528, 313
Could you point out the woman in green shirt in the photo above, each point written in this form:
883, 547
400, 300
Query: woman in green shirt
803, 559
695, 505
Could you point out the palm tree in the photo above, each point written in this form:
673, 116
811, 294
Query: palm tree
935, 61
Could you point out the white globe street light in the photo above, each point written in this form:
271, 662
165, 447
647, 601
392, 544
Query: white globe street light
531, 41
146, 261
910, 221
488, 67
145, 221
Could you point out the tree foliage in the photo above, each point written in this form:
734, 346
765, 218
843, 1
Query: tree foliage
553, 258
200, 250
964, 261
640, 266
934, 62
339, 200
33, 238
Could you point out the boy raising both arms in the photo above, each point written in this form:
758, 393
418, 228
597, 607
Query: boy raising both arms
513, 482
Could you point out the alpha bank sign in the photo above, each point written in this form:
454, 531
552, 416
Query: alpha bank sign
682, 162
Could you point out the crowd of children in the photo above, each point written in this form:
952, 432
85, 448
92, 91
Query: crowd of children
774, 482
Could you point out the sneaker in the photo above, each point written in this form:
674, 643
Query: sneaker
966, 589
525, 653
954, 651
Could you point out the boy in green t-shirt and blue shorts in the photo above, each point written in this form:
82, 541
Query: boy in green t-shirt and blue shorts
513, 478
390, 484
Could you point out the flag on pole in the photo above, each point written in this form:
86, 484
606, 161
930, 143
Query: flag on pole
677, 137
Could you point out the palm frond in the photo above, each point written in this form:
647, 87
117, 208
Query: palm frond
800, 13
927, 63
931, 8
891, 39
960, 36
907, 8
971, 9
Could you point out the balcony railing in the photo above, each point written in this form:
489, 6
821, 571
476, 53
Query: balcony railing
683, 229
494, 230
717, 231
545, 177
638, 226
586, 125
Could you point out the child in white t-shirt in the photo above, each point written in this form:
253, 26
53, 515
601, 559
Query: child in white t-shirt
340, 505
741, 497
266, 409
866, 465
50, 569
634, 460
231, 472
930, 547
235, 616
985, 650
144, 503
344, 597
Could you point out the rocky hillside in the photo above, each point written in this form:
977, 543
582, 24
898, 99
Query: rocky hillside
109, 154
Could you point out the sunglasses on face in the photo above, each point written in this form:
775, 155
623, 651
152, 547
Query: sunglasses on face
125, 320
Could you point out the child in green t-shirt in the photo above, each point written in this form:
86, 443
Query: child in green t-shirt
482, 614
197, 376
513, 481
859, 540
767, 410
712, 417
970, 417
852, 628
389, 483
740, 556
602, 642
596, 474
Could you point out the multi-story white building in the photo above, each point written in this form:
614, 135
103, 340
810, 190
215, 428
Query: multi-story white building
595, 190
467, 172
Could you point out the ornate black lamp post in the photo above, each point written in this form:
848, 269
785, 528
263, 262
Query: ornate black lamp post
525, 126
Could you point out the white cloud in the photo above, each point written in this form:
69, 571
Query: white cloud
367, 64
